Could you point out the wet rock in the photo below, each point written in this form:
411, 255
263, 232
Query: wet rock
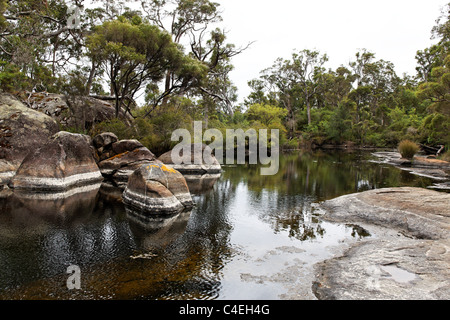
413, 264
193, 162
63, 162
21, 130
31, 209
201, 184
156, 188
157, 231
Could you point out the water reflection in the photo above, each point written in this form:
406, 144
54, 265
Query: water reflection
201, 184
156, 232
242, 222
24, 209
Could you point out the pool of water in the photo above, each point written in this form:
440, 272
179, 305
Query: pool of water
248, 237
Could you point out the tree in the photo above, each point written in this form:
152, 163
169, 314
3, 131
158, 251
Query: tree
266, 114
376, 85
438, 91
40, 38
134, 53
434, 56
298, 81
188, 22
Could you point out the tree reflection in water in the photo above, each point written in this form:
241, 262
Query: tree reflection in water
188, 256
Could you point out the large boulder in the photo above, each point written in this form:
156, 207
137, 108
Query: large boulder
72, 111
156, 188
21, 130
117, 160
191, 163
63, 162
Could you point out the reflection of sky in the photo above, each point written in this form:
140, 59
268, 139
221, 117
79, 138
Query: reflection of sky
256, 272
247, 237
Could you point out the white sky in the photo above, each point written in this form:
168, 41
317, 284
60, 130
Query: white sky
393, 29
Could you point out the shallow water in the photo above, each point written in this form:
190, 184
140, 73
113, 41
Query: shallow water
248, 237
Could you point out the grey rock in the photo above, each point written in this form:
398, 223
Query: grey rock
156, 188
413, 264
21, 130
417, 212
194, 162
402, 270
65, 161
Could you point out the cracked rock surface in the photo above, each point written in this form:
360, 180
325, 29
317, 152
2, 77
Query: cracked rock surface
415, 264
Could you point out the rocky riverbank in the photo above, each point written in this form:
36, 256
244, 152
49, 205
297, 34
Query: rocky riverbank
408, 256
436, 169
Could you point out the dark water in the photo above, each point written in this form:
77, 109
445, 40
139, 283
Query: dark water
249, 236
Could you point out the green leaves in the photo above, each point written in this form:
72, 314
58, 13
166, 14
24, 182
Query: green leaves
266, 114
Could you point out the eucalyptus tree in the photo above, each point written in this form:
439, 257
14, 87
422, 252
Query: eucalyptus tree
39, 37
434, 56
375, 88
298, 82
191, 24
134, 53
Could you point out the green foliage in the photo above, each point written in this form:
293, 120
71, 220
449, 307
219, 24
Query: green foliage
408, 149
338, 128
266, 114
11, 77
116, 126
435, 129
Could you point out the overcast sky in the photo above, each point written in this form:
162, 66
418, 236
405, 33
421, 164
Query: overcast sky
393, 29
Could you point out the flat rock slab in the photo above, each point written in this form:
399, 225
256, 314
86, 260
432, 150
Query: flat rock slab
401, 270
413, 265
417, 212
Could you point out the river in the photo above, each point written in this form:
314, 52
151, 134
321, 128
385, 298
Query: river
248, 237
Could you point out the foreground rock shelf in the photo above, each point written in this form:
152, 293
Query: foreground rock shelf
411, 261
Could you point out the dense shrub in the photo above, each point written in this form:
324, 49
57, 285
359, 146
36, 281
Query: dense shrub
408, 149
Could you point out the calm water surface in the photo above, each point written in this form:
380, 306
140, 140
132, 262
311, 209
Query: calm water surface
249, 236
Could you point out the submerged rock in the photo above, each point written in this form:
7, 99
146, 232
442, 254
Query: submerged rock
421, 166
193, 162
414, 263
63, 162
157, 188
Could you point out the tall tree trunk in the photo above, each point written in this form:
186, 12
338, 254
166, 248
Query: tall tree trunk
308, 111
167, 88
87, 90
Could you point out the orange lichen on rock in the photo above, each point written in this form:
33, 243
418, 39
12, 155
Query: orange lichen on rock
119, 155
162, 167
